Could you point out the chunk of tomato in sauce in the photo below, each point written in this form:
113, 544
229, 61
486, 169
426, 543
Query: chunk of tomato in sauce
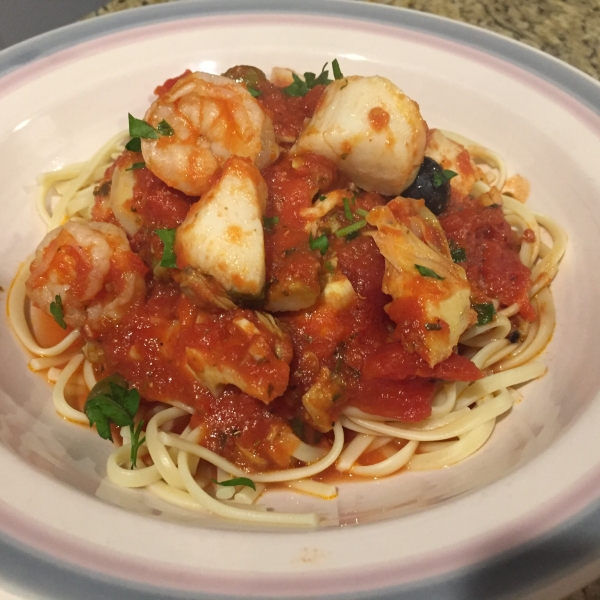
289, 113
158, 205
289, 259
492, 265
392, 361
169, 83
408, 401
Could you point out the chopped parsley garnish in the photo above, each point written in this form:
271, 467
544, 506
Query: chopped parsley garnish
297, 88
111, 401
134, 145
297, 426
135, 166
427, 272
347, 210
136, 442
165, 129
313, 80
138, 128
56, 310
269, 223
457, 253
439, 179
329, 266
322, 197
236, 481
168, 260
320, 243
301, 88
485, 312
335, 67
253, 91
350, 229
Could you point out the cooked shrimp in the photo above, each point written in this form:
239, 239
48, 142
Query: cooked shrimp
93, 270
121, 197
222, 235
371, 130
212, 118
431, 296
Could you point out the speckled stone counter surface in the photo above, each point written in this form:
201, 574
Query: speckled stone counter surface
566, 29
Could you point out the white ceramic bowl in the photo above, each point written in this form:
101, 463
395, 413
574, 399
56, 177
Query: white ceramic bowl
520, 517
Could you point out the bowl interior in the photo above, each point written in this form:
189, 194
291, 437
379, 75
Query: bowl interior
61, 108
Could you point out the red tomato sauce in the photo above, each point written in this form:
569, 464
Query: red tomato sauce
150, 347
161, 345
492, 264
288, 113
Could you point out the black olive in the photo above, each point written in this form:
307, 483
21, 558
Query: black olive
430, 185
251, 76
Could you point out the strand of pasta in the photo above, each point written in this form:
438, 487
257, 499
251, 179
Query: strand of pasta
476, 416
498, 381
88, 374
444, 401
41, 363
495, 352
444, 454
315, 488
180, 498
529, 250
131, 478
537, 339
63, 408
266, 477
353, 451
467, 445
236, 513
308, 454
545, 270
425, 425
479, 336
84, 178
158, 451
482, 154
389, 465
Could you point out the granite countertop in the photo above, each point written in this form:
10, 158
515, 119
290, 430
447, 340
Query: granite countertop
566, 29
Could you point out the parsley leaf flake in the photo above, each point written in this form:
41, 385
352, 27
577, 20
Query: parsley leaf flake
167, 236
320, 243
427, 272
236, 481
485, 312
56, 310
138, 128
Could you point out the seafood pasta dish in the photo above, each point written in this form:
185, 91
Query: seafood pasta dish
287, 280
